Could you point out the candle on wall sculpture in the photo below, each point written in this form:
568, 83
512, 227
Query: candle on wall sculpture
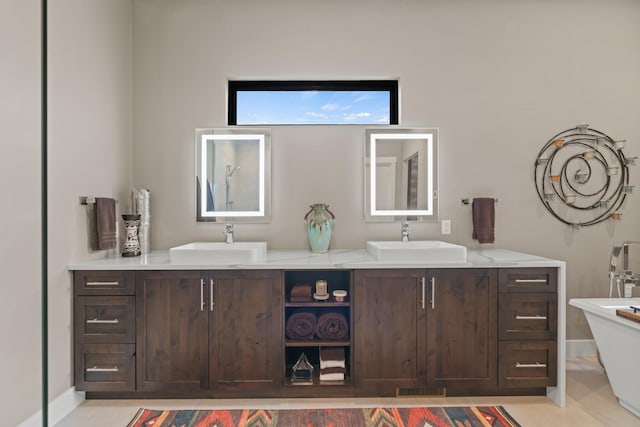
582, 176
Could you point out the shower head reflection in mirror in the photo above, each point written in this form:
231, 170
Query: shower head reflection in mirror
401, 179
232, 169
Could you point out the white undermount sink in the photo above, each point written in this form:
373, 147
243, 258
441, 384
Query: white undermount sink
219, 253
418, 250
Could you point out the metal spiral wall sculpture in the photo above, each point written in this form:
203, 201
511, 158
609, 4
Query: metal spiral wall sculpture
582, 176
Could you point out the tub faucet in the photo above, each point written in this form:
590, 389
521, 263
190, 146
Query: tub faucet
228, 233
404, 236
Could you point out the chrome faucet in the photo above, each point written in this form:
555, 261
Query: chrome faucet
228, 233
629, 275
404, 236
625, 277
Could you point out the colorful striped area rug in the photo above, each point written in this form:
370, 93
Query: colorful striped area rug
469, 416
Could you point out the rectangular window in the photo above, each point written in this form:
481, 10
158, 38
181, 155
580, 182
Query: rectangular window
313, 102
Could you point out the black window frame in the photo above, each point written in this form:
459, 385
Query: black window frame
235, 86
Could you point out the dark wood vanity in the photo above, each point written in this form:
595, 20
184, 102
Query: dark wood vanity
221, 333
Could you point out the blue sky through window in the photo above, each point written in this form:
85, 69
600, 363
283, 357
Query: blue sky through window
312, 107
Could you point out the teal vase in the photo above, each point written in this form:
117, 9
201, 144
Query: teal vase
319, 222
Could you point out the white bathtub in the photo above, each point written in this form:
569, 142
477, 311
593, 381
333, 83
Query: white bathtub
618, 341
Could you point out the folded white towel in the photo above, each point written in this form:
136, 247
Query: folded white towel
338, 376
332, 364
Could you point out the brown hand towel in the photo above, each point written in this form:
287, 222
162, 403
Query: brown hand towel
300, 293
483, 209
332, 357
106, 222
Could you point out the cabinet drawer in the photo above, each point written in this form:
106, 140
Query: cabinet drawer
104, 320
527, 316
105, 367
523, 364
104, 282
528, 279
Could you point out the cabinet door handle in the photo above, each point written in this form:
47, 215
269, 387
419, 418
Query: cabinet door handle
531, 365
113, 321
115, 283
433, 293
422, 302
536, 317
211, 299
531, 280
96, 369
201, 294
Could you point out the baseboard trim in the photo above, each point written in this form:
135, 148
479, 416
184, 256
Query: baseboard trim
58, 408
581, 348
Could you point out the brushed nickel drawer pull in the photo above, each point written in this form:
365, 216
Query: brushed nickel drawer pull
96, 320
201, 294
116, 283
531, 365
211, 299
531, 280
96, 369
433, 293
422, 302
536, 317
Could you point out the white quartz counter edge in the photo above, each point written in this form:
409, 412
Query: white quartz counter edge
334, 259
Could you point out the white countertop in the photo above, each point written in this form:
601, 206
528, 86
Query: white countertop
306, 260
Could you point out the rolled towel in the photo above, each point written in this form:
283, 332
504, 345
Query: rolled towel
332, 374
332, 357
332, 326
301, 325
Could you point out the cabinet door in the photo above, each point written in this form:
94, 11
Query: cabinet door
461, 329
246, 335
389, 329
172, 326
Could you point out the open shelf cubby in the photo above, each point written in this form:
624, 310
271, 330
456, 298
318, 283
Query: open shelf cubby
293, 348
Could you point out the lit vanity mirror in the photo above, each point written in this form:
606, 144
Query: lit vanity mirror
232, 174
401, 174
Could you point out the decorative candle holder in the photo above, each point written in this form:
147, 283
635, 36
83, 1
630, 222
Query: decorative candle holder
132, 244
588, 154
558, 142
601, 141
570, 199
581, 177
619, 145
555, 178
582, 128
612, 170
549, 196
603, 204
627, 189
616, 216
630, 161
542, 161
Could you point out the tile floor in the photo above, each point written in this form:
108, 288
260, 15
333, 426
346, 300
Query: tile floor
590, 402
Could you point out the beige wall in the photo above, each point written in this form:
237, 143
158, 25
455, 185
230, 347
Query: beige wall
20, 219
499, 78
89, 146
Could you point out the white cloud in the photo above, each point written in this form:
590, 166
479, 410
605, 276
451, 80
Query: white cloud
352, 116
383, 119
330, 107
316, 115
364, 98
